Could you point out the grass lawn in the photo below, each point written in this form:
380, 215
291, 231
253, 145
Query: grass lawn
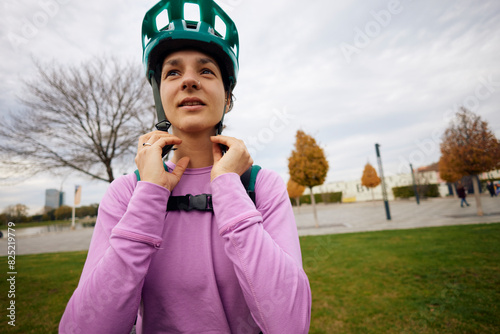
36, 224
432, 280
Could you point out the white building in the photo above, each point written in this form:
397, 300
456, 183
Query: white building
353, 191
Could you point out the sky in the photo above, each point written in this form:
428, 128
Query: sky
350, 73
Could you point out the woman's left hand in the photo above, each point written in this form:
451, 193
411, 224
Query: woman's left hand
235, 160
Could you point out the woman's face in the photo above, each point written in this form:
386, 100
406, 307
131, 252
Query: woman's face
192, 91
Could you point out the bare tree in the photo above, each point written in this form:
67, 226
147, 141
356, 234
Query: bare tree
82, 117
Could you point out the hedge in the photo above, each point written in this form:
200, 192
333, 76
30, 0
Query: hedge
427, 190
320, 198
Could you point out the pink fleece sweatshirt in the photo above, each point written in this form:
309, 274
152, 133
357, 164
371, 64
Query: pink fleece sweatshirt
236, 270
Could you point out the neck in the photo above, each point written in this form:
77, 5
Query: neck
196, 146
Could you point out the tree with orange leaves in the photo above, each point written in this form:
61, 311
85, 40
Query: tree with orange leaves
370, 178
308, 165
295, 190
447, 173
469, 147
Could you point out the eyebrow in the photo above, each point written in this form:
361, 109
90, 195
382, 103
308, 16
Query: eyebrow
206, 61
177, 61
172, 62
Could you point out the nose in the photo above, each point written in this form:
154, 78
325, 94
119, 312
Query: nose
191, 83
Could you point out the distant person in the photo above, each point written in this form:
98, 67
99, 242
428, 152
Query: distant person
491, 188
462, 193
181, 247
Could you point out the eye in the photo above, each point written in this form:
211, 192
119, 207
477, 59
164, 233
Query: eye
171, 73
207, 71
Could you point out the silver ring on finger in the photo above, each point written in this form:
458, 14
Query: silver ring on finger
147, 144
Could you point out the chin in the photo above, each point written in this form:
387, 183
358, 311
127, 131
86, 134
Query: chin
197, 128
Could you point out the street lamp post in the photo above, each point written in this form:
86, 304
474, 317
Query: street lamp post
414, 185
384, 191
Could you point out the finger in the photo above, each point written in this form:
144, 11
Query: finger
180, 167
217, 152
170, 140
153, 136
222, 140
159, 143
143, 139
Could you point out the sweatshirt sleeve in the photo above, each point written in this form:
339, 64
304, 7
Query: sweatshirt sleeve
264, 247
127, 233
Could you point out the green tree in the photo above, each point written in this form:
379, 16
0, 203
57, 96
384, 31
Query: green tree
370, 178
63, 212
308, 165
16, 213
469, 147
88, 210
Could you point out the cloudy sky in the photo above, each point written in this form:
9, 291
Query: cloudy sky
350, 73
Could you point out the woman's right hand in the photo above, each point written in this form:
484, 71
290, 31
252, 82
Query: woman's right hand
149, 160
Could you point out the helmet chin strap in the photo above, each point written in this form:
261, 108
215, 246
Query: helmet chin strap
163, 124
220, 126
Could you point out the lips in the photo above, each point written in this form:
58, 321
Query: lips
191, 101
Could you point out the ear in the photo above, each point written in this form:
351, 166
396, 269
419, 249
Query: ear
229, 102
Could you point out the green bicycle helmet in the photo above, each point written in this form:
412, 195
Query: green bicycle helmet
215, 34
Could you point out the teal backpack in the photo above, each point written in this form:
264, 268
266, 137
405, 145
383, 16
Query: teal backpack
203, 202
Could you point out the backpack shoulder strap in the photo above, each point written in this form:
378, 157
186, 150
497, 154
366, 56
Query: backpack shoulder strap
248, 179
138, 176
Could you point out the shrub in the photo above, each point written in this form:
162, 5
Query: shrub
425, 190
335, 197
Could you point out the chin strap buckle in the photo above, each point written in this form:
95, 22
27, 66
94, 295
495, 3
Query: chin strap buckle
163, 125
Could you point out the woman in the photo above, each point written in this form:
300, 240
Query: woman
232, 267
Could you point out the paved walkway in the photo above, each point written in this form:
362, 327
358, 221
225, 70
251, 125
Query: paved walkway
333, 219
405, 214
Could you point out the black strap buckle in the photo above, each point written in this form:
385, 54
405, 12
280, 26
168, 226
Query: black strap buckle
163, 125
202, 202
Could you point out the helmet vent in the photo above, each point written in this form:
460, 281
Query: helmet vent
162, 20
191, 12
220, 27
